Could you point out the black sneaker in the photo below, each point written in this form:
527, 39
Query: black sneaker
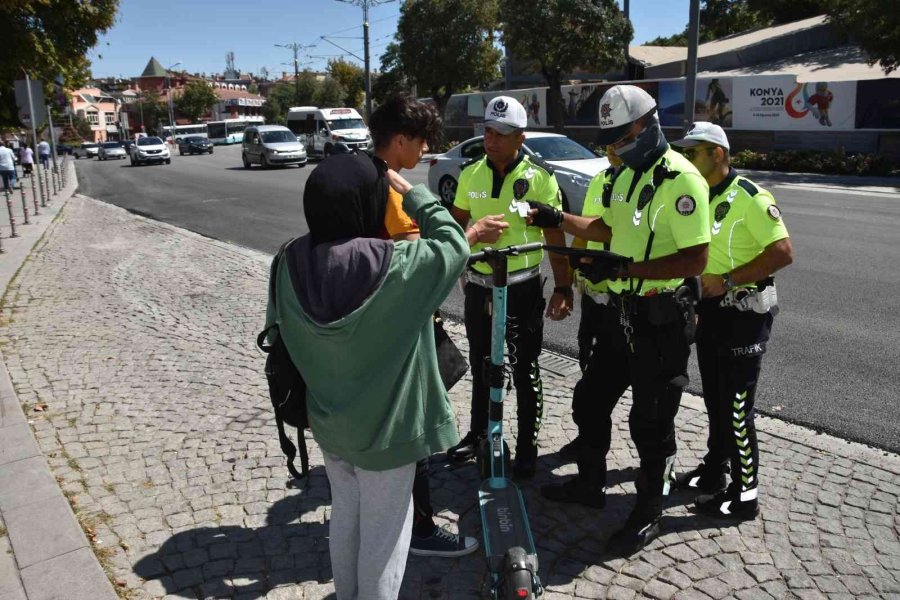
701, 479
443, 543
728, 505
575, 491
569, 452
634, 537
465, 449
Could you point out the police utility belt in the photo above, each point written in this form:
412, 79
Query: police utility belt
760, 299
487, 280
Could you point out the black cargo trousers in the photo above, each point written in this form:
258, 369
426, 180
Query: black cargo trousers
730, 348
648, 350
524, 335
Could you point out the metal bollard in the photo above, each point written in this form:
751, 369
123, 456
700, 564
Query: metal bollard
53, 179
40, 182
34, 193
46, 183
24, 202
12, 219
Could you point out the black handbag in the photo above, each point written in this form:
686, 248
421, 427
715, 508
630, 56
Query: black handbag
451, 363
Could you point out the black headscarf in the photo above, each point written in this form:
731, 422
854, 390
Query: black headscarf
344, 198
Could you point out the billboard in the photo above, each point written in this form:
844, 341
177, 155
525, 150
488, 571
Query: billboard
779, 103
712, 101
468, 109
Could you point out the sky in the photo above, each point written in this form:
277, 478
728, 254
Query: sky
199, 33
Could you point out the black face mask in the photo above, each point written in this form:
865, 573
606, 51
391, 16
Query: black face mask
649, 145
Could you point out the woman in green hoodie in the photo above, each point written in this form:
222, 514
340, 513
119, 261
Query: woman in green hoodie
355, 314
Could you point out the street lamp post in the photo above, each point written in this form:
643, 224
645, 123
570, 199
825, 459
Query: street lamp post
366, 4
296, 49
169, 97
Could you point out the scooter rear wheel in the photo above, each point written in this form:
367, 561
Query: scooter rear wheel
519, 586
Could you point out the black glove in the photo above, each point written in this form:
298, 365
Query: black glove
547, 217
602, 268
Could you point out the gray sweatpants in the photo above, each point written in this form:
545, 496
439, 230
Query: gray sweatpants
371, 523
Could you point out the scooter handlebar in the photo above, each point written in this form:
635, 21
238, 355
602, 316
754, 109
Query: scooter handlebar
507, 251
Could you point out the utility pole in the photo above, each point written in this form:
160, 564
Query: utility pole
296, 49
627, 11
367, 78
690, 80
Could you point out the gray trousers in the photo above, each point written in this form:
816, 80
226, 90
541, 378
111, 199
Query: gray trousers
371, 523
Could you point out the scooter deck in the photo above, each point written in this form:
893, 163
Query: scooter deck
504, 521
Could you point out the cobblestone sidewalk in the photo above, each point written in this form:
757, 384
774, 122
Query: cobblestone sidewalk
136, 341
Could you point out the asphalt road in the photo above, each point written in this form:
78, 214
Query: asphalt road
833, 359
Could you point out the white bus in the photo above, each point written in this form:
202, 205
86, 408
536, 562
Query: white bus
183, 130
231, 131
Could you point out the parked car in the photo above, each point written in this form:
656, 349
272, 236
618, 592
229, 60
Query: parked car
194, 144
110, 150
573, 164
269, 145
87, 150
150, 149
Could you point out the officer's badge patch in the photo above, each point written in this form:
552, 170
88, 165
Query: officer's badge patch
722, 211
685, 205
645, 197
500, 106
520, 188
774, 212
605, 111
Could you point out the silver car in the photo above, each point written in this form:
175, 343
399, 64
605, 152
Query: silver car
573, 164
86, 150
110, 150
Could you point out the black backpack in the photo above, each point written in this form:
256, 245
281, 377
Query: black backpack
287, 389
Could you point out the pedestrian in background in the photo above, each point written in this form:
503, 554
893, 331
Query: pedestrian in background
26, 157
749, 242
7, 168
355, 313
44, 153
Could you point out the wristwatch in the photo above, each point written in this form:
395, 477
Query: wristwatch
727, 281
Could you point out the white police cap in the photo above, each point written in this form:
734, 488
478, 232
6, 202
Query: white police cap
621, 106
704, 131
505, 115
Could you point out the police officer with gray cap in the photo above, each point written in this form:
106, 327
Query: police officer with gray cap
657, 219
749, 242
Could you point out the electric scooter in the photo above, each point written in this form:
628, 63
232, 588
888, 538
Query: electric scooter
509, 546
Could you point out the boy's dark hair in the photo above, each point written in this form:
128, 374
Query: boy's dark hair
402, 114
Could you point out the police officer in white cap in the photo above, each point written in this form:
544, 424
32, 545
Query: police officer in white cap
495, 189
657, 219
749, 243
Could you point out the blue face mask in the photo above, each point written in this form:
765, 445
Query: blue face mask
649, 145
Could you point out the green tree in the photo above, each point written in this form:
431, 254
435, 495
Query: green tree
351, 77
48, 38
281, 97
196, 99
446, 46
330, 93
719, 18
391, 79
560, 35
874, 25
149, 111
79, 130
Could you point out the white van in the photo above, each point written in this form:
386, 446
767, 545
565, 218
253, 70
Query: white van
320, 129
